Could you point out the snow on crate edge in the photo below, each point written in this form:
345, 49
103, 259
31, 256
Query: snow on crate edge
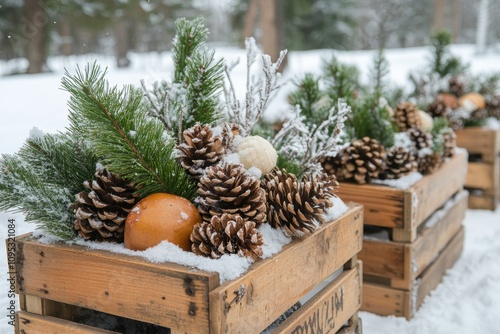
228, 266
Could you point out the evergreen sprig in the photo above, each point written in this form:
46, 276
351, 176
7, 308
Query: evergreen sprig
116, 124
442, 61
41, 181
194, 95
313, 102
342, 81
378, 73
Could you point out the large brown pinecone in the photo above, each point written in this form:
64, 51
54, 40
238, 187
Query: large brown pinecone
296, 206
399, 162
457, 85
493, 106
228, 188
438, 108
429, 163
100, 213
363, 160
406, 116
420, 138
333, 165
200, 150
227, 234
478, 115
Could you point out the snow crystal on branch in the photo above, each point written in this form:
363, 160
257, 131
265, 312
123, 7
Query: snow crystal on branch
307, 144
259, 89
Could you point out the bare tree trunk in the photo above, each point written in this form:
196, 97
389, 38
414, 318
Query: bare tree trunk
121, 43
34, 28
272, 28
482, 26
456, 20
251, 18
438, 19
66, 47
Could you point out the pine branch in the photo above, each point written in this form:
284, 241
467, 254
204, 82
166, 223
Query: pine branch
342, 81
379, 73
116, 124
46, 204
313, 103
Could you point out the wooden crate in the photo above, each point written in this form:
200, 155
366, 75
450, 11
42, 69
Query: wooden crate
483, 176
403, 211
398, 269
54, 280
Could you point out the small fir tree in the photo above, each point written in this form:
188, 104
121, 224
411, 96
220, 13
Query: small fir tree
341, 81
442, 61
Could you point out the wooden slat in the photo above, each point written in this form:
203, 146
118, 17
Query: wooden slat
30, 323
435, 189
273, 285
329, 309
433, 275
383, 206
480, 140
404, 210
403, 262
484, 202
384, 300
166, 294
482, 175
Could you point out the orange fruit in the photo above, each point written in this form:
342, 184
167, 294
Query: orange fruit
159, 217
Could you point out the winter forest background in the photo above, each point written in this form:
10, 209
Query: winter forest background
33, 30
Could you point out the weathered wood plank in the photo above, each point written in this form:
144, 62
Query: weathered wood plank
484, 202
480, 140
273, 285
328, 310
165, 294
482, 176
383, 300
30, 323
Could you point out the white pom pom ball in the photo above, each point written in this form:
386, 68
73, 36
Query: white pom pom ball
427, 121
255, 151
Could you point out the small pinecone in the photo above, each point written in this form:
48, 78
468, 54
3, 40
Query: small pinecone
438, 108
363, 160
420, 138
227, 234
296, 206
229, 132
100, 214
399, 162
406, 116
478, 115
332, 165
493, 106
429, 163
456, 85
455, 121
450, 143
200, 150
227, 188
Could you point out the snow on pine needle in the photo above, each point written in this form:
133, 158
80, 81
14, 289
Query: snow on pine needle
259, 88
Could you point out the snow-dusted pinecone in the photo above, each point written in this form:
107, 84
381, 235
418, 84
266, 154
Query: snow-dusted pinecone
200, 150
406, 116
227, 234
420, 138
333, 165
363, 160
455, 120
229, 132
438, 108
228, 188
398, 162
493, 106
450, 142
100, 213
429, 163
296, 206
478, 115
457, 85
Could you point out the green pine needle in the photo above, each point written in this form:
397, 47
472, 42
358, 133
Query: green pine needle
116, 125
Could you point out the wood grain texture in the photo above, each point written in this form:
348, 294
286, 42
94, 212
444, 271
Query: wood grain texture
482, 175
480, 140
402, 263
384, 300
405, 210
273, 285
166, 294
484, 202
330, 309
30, 323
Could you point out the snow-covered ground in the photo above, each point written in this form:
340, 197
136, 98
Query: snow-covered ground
467, 301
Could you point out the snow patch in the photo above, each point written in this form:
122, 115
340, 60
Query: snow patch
337, 210
36, 134
254, 171
403, 183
